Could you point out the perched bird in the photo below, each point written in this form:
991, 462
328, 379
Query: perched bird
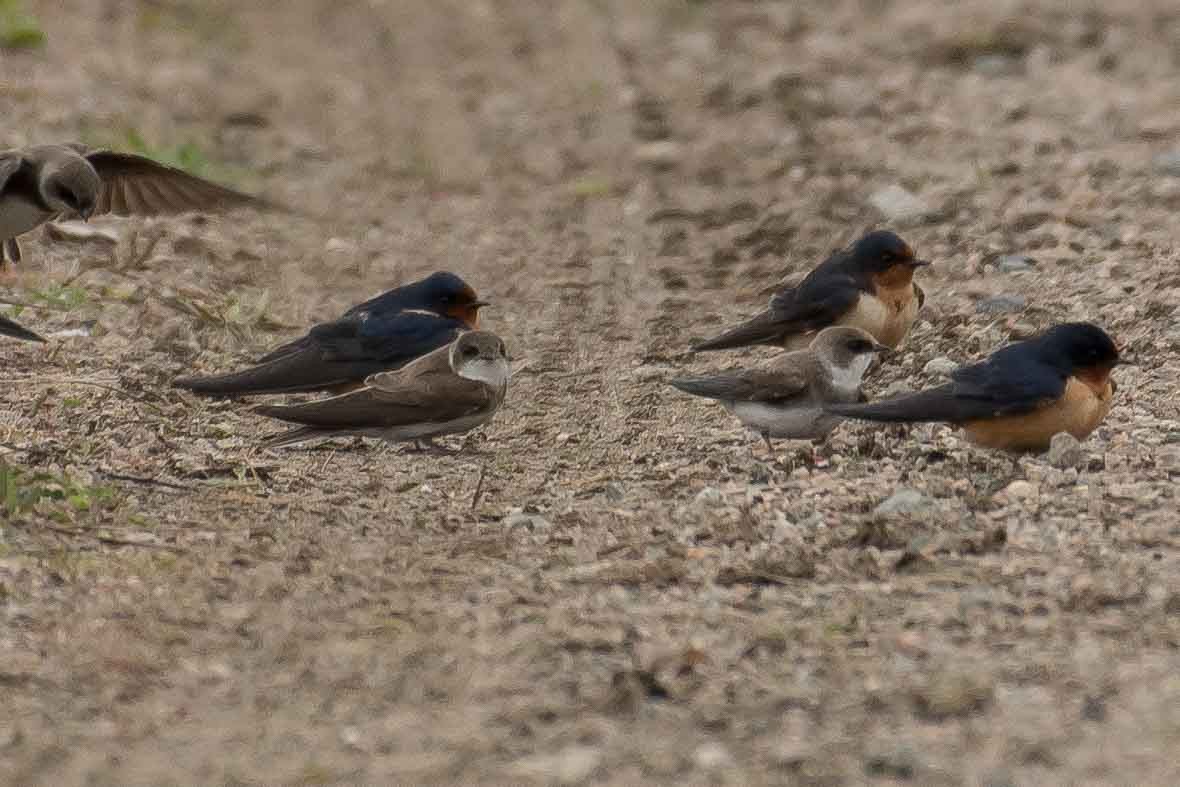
450, 390
45, 182
785, 397
378, 335
869, 286
10, 328
1021, 396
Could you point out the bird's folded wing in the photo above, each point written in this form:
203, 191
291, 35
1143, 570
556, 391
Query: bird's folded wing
809, 308
984, 390
137, 185
399, 337
388, 399
356, 410
432, 386
747, 386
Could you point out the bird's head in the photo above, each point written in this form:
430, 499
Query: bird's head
1082, 349
882, 253
448, 295
846, 349
481, 356
71, 187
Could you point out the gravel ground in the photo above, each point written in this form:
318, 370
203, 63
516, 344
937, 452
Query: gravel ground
612, 583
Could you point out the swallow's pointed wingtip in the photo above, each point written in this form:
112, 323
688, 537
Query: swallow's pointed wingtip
18, 331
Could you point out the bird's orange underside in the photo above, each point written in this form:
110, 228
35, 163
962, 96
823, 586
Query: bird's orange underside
1079, 411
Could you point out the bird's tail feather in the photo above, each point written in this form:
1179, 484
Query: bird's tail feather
759, 330
934, 405
17, 331
296, 373
708, 387
302, 434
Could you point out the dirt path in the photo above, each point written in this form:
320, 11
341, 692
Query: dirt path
634, 593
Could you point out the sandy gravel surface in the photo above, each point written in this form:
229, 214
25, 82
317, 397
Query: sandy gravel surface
612, 583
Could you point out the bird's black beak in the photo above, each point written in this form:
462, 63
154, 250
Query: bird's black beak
480, 304
882, 348
919, 263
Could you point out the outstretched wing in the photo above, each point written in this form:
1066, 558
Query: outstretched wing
137, 185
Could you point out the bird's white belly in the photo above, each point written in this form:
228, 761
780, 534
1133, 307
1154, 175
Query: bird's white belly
798, 423
18, 216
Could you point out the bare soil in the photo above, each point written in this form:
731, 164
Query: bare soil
611, 584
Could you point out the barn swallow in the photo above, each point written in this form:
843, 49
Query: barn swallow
448, 391
785, 397
10, 328
44, 182
1021, 396
378, 335
868, 286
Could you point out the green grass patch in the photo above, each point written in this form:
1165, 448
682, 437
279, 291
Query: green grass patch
18, 28
57, 497
61, 298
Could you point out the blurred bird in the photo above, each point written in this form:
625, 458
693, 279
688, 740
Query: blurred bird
448, 391
1021, 396
785, 397
869, 286
44, 182
378, 335
10, 328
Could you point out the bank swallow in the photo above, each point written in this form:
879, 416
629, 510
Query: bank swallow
378, 335
1021, 396
448, 391
44, 182
869, 286
785, 396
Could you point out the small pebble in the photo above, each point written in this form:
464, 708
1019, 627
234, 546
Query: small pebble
1065, 451
904, 501
709, 496
940, 367
1167, 163
1001, 304
1015, 263
712, 757
1020, 490
664, 154
897, 203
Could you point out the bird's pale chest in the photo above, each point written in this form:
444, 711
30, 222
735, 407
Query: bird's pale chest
887, 314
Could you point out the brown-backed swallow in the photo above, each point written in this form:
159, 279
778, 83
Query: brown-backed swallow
10, 328
1021, 396
45, 182
451, 390
868, 286
379, 335
785, 397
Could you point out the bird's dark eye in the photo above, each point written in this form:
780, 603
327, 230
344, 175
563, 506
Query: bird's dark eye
470, 351
503, 349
